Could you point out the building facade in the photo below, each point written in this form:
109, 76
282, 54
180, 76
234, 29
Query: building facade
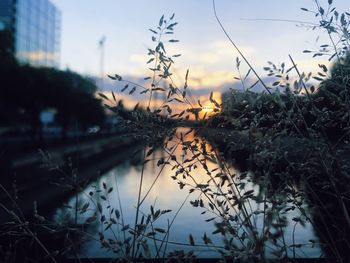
35, 27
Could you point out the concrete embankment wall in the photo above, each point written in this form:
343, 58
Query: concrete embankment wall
46, 176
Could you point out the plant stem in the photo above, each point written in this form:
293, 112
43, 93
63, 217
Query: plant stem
138, 205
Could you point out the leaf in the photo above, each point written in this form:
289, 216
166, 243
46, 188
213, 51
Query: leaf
191, 240
103, 218
126, 227
246, 76
342, 20
155, 32
99, 207
249, 192
103, 96
136, 106
318, 78
149, 152
160, 230
317, 55
125, 87
113, 96
321, 10
90, 219
172, 17
158, 89
206, 239
119, 78
85, 206
156, 214
323, 67
166, 211
173, 40
170, 27
117, 214
331, 57
111, 77
161, 20
110, 189
150, 60
132, 90
304, 9
108, 226
252, 86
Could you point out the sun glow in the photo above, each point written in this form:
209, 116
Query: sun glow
208, 107
205, 108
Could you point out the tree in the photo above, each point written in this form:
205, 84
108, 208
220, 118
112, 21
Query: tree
27, 91
6, 49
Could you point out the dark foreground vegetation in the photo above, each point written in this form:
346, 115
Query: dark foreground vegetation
292, 146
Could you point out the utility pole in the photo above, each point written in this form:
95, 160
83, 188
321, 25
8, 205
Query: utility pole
101, 44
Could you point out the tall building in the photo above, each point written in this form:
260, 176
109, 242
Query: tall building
35, 27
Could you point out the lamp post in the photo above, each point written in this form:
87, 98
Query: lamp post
101, 44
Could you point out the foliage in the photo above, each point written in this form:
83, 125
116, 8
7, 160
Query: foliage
292, 139
6, 48
297, 153
42, 88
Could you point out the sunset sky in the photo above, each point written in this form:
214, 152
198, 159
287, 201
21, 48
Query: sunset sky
204, 47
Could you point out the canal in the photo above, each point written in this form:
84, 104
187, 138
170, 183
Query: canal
172, 216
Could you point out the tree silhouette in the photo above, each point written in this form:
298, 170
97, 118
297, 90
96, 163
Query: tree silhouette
26, 91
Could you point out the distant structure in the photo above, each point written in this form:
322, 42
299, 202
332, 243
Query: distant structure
101, 44
35, 27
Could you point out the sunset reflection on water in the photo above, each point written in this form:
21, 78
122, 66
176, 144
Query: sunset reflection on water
165, 189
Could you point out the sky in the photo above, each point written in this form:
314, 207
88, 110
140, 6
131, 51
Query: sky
205, 50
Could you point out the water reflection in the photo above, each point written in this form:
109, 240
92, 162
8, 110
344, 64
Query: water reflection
165, 188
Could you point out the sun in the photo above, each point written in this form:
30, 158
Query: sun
207, 110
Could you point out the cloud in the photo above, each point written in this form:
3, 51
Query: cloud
139, 58
216, 55
225, 47
212, 64
201, 78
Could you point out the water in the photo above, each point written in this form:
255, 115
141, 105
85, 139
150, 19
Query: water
165, 194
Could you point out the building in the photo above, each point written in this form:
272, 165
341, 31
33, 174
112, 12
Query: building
35, 27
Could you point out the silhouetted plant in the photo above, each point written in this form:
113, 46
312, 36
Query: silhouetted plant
296, 144
274, 124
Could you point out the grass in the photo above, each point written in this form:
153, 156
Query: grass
298, 153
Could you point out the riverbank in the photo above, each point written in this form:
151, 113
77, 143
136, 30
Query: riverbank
46, 176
